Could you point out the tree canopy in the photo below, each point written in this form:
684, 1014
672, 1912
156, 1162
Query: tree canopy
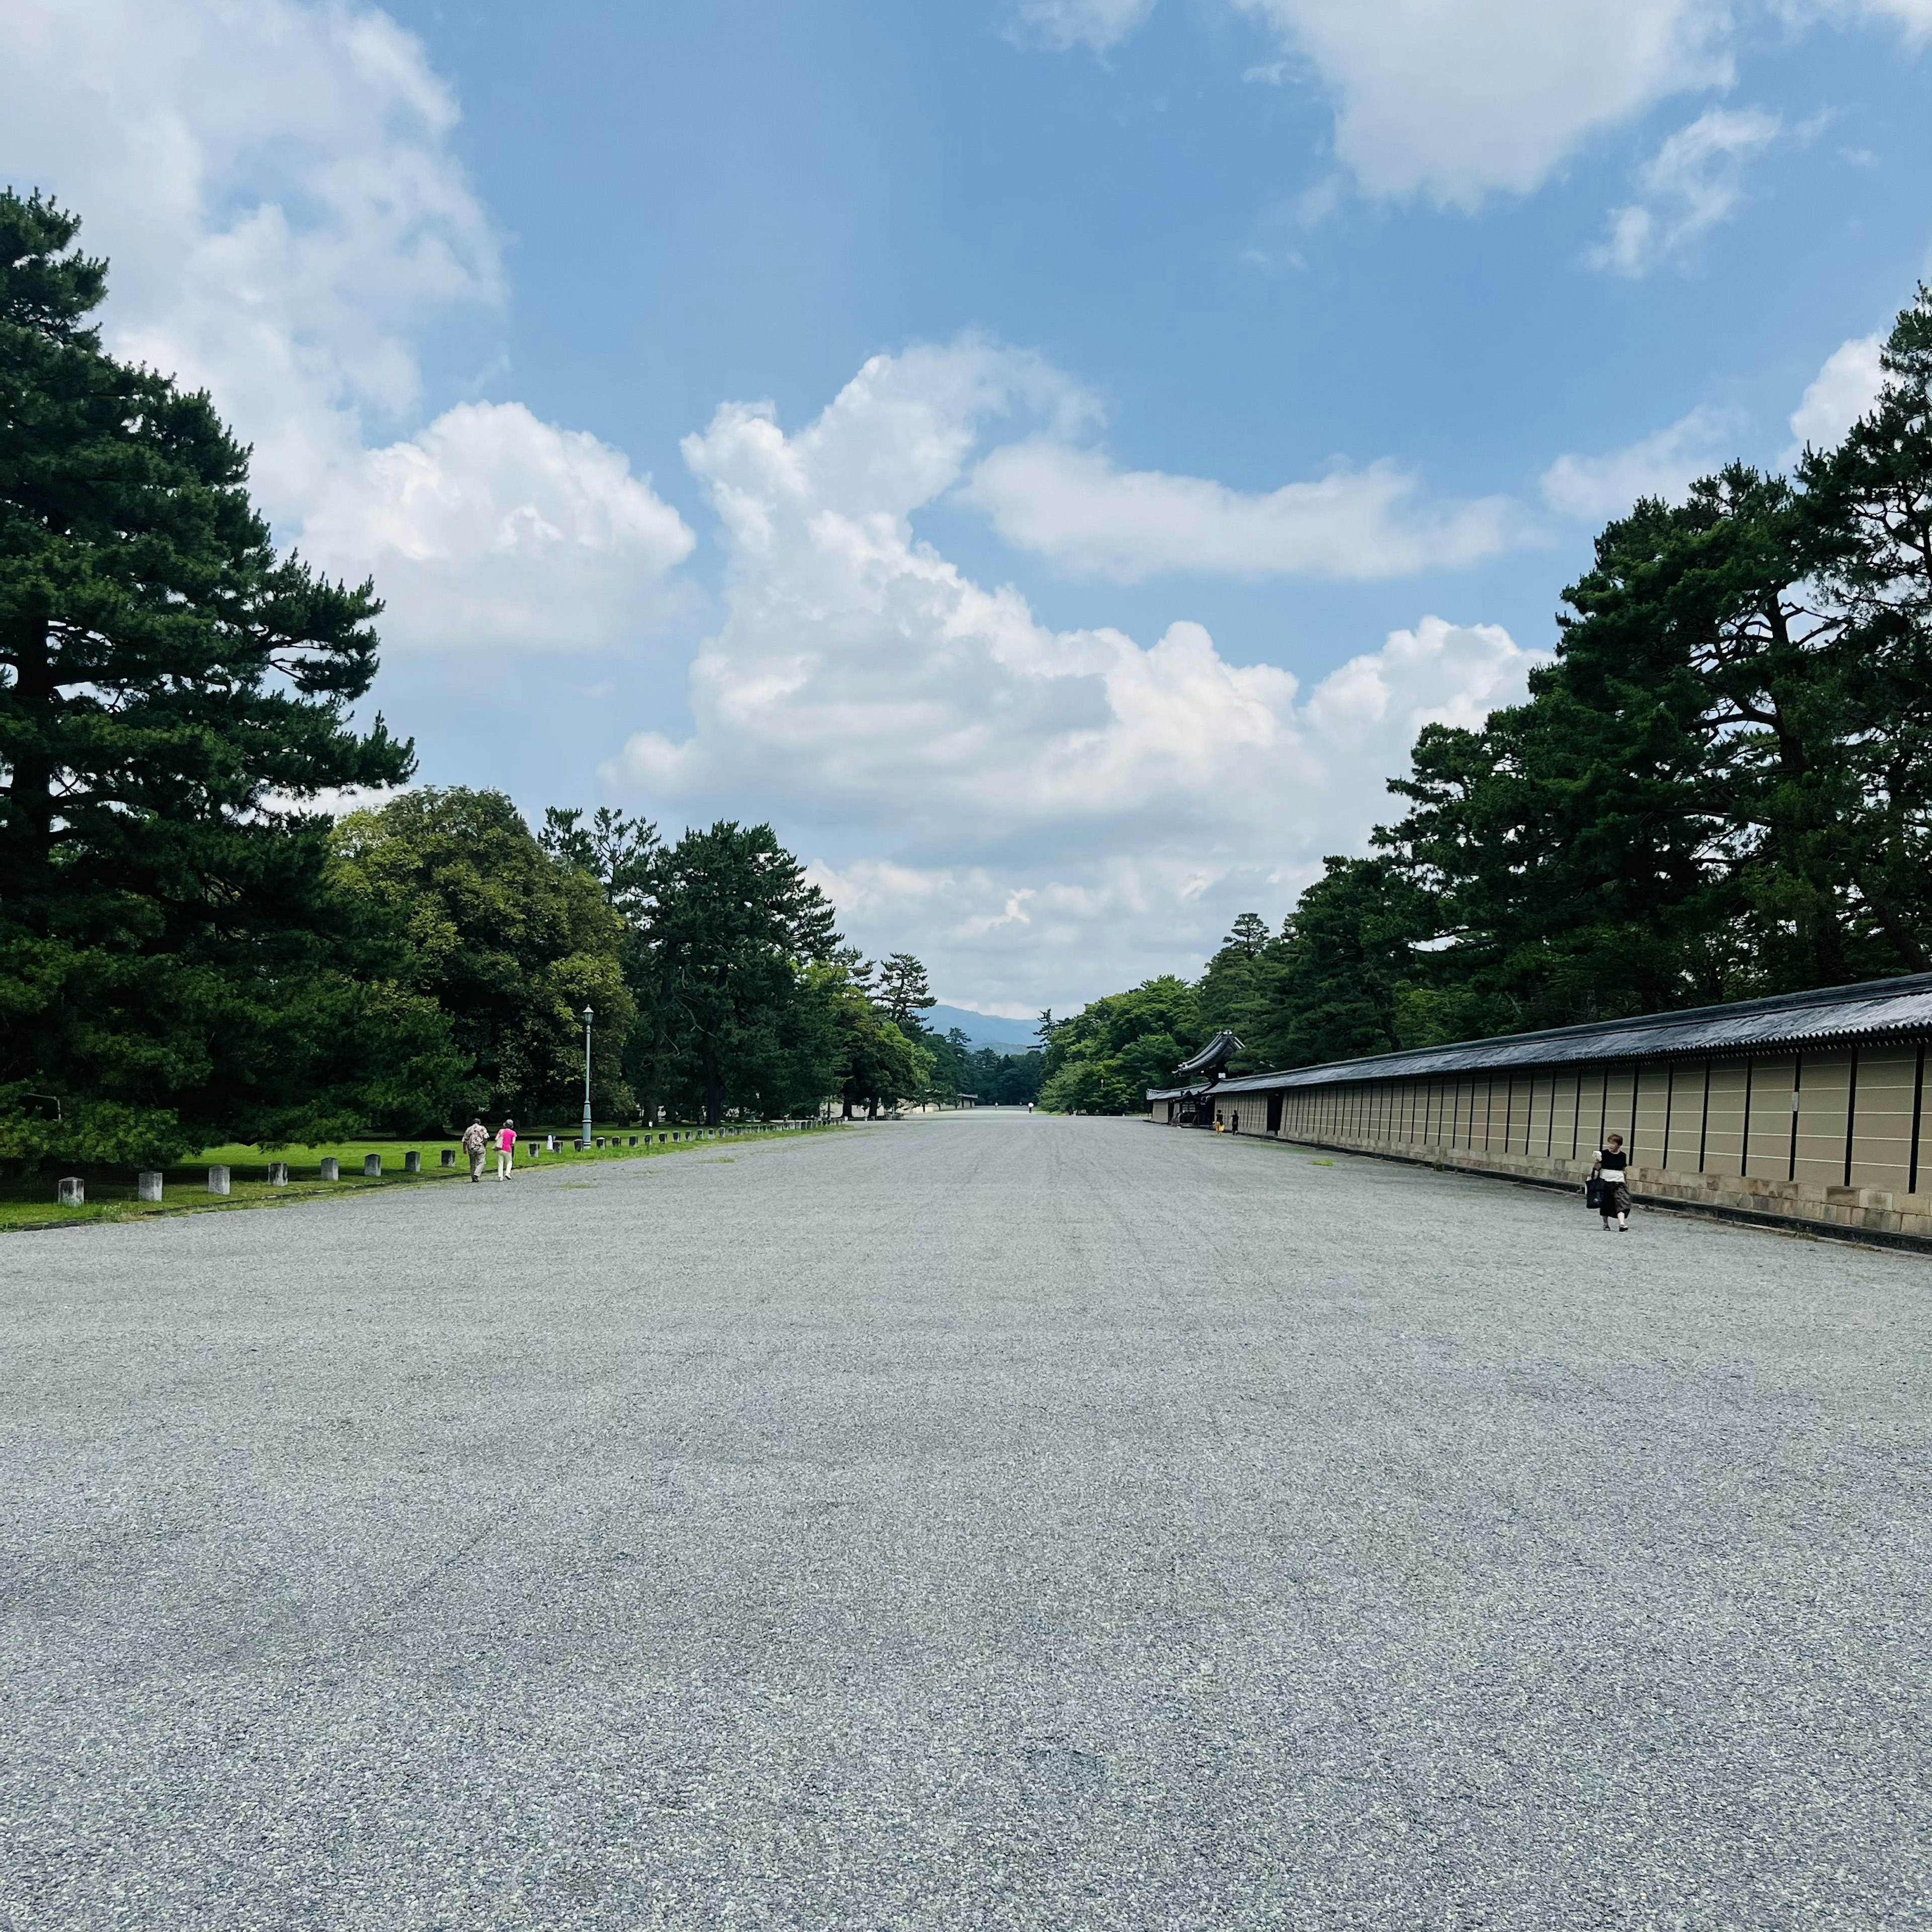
171, 694
1103, 1060
1721, 786
508, 942
192, 948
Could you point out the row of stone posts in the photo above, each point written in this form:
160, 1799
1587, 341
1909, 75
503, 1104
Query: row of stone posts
73, 1189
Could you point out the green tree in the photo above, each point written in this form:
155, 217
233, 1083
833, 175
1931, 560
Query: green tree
1341, 979
1015, 1079
878, 1062
170, 692
903, 994
511, 944
1870, 505
620, 853
1720, 787
1104, 1059
734, 927
1709, 794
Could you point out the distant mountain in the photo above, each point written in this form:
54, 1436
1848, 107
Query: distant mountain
982, 1029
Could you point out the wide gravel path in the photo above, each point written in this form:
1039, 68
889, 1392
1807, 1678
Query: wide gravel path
982, 1521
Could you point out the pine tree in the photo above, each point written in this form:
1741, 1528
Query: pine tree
170, 692
903, 991
734, 926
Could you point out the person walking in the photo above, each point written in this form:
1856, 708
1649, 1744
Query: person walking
1610, 1173
476, 1144
506, 1149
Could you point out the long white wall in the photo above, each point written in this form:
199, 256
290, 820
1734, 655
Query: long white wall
1831, 1138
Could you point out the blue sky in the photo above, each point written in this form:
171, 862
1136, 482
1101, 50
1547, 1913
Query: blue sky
1085, 438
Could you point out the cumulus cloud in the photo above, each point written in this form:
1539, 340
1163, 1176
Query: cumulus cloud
275, 186
1841, 392
491, 527
1053, 796
1454, 102
1077, 508
1693, 182
1031, 933
1594, 488
1033, 808
1098, 24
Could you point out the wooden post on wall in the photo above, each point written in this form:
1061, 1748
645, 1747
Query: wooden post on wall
1918, 1097
1851, 1112
1797, 1085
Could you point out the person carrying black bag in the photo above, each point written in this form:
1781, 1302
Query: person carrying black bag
1605, 1190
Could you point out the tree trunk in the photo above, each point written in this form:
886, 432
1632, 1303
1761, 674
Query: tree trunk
714, 1088
654, 1066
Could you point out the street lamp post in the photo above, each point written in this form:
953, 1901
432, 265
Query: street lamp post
586, 1077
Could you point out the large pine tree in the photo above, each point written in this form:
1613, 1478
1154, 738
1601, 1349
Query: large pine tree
170, 692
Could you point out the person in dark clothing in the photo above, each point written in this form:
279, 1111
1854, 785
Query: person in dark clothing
1610, 1173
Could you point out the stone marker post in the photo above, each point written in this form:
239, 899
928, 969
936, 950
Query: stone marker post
147, 1186
331, 1168
73, 1192
217, 1181
372, 1167
278, 1174
413, 1161
448, 1158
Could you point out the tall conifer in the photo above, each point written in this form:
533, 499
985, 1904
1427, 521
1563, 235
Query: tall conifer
169, 690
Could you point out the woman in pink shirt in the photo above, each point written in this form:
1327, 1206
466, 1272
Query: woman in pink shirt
506, 1149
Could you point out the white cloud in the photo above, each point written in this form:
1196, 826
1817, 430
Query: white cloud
1594, 488
1098, 24
1693, 182
1024, 934
275, 187
1074, 506
1915, 16
490, 527
1453, 101
1062, 805
1841, 392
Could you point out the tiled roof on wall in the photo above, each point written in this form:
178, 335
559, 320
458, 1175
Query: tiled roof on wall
1878, 1009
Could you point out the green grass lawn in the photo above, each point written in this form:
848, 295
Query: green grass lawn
31, 1202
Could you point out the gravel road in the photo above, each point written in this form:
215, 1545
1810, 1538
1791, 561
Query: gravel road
990, 1521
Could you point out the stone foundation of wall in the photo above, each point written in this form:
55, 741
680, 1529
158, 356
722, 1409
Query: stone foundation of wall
1856, 1213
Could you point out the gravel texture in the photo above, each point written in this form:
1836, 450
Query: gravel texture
989, 1521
